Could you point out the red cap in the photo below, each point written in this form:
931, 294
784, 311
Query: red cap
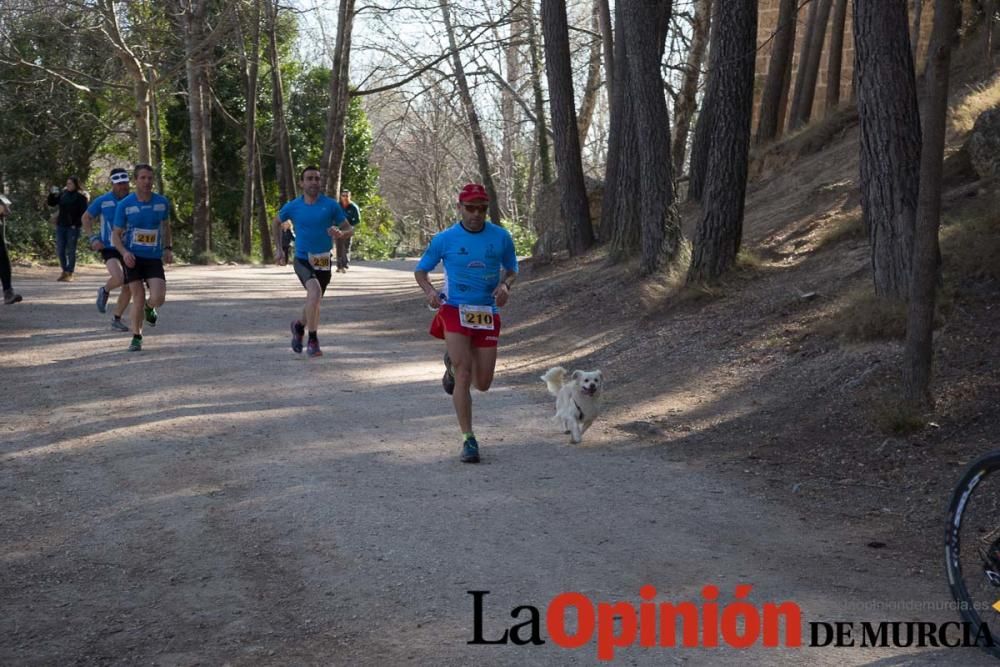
473, 192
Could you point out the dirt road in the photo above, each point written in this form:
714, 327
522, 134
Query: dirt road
217, 499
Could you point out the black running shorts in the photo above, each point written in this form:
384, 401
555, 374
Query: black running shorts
111, 253
306, 272
145, 269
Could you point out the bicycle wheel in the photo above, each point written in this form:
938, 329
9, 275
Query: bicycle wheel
972, 547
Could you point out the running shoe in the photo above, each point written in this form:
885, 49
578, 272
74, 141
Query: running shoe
135, 345
312, 349
118, 325
470, 451
448, 380
10, 296
298, 330
151, 315
102, 299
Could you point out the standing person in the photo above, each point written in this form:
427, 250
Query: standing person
480, 266
318, 220
9, 296
72, 205
142, 236
103, 209
353, 214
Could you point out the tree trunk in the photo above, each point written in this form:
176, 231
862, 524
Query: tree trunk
809, 68
336, 120
607, 37
263, 224
620, 212
918, 10
800, 71
776, 83
141, 88
703, 127
572, 188
508, 106
918, 351
687, 99
645, 29
250, 71
541, 131
720, 230
890, 140
835, 67
593, 85
470, 109
282, 145
194, 21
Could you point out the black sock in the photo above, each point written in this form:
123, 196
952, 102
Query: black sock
118, 317
137, 336
312, 336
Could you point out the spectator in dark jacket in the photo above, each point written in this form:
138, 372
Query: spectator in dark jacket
9, 295
72, 204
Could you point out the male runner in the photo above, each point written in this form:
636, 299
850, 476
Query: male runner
103, 209
480, 266
318, 220
142, 236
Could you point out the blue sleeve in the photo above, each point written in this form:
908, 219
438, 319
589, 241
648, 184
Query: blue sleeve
338, 215
432, 256
120, 215
286, 211
509, 259
95, 207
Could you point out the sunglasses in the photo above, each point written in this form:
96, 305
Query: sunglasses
476, 208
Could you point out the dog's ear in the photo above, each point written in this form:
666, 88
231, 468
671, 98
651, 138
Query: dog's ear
576, 375
600, 376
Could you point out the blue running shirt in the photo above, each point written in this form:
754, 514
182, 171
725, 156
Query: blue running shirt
142, 223
311, 222
103, 210
472, 262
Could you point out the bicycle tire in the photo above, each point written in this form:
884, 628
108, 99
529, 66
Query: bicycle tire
961, 498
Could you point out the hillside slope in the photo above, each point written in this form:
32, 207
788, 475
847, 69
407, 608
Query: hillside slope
759, 379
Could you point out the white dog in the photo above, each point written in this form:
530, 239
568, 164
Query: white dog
578, 398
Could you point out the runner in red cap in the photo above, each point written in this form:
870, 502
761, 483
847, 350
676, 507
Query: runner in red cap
480, 266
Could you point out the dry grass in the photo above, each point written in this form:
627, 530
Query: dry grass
969, 106
862, 316
839, 227
891, 415
970, 244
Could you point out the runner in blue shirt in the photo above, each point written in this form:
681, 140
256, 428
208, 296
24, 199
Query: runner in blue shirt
142, 236
480, 266
102, 210
318, 220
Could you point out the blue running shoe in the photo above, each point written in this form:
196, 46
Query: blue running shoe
470, 451
102, 299
298, 331
312, 349
118, 325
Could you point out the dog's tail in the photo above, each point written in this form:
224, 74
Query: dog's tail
553, 379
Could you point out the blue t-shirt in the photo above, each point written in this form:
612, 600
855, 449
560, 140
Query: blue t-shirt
142, 223
103, 210
311, 223
472, 262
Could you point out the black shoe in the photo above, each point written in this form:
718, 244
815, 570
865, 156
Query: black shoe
9, 297
448, 381
298, 331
